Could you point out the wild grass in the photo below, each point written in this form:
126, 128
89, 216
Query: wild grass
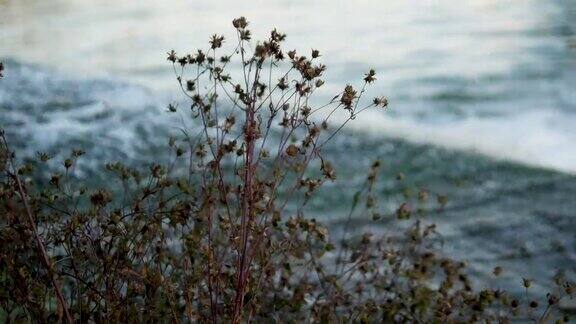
220, 233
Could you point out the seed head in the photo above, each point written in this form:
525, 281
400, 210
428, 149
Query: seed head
216, 41
190, 85
172, 56
315, 53
240, 23
245, 35
200, 57
100, 198
497, 271
43, 156
348, 96
370, 76
276, 36
552, 299
292, 150
282, 84
381, 102
171, 108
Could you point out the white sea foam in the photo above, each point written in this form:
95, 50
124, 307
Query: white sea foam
544, 138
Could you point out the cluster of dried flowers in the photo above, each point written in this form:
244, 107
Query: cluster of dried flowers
219, 234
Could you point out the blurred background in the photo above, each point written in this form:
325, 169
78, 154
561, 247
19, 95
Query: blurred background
482, 96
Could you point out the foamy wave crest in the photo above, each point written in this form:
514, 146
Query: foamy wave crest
544, 138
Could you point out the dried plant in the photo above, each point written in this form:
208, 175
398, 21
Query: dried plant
219, 234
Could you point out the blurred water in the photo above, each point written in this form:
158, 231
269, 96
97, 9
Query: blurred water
481, 93
497, 76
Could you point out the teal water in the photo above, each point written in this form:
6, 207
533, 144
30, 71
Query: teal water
483, 104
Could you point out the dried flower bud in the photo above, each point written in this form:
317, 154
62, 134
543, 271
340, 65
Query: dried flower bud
190, 85
216, 41
497, 271
240, 23
292, 150
442, 200
381, 102
43, 156
200, 57
77, 153
245, 35
172, 56
552, 300
370, 76
282, 84
55, 180
100, 198
348, 96
315, 53
276, 36
403, 212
